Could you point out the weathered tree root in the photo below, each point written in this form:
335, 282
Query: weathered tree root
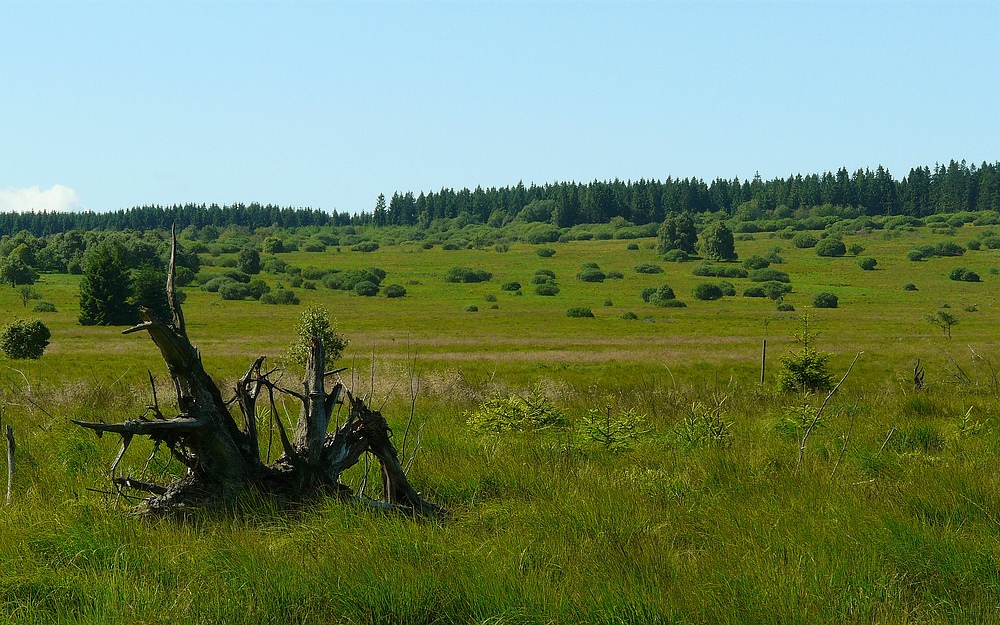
223, 457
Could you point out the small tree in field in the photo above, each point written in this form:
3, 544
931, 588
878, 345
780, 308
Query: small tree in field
804, 369
106, 287
23, 338
719, 243
944, 320
315, 321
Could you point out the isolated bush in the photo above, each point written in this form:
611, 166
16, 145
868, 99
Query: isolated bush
272, 245
702, 426
614, 432
710, 270
545, 252
909, 287
974, 244
279, 296
824, 300
489, 297
963, 275
501, 414
676, 256
672, 303
467, 274
43, 307
856, 249
540, 278
648, 268
718, 242
632, 247
297, 281
915, 255
773, 256
769, 274
24, 339
548, 289
786, 307
608, 302
775, 290
511, 286
591, 275
365, 246
831, 247
804, 240
867, 263
991, 242
548, 273
237, 276
706, 291
589, 265
315, 322
948, 248
661, 295
579, 311
629, 316
756, 262
754, 291
366, 288
804, 369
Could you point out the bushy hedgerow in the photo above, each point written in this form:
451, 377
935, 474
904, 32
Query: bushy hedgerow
710, 270
706, 291
365, 246
804, 240
467, 274
831, 247
547, 289
769, 274
24, 339
648, 268
867, 263
511, 286
579, 311
756, 262
961, 274
824, 300
395, 290
545, 252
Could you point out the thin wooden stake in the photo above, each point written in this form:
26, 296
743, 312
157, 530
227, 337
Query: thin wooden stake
763, 361
805, 437
10, 462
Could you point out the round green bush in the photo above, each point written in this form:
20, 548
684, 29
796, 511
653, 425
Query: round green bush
489, 297
755, 262
365, 246
308, 285
548, 289
394, 291
673, 303
579, 311
676, 256
727, 288
786, 307
24, 338
632, 247
472, 308
43, 307
467, 274
804, 240
706, 291
546, 272
991, 242
630, 316
542, 279
661, 295
754, 291
909, 287
974, 244
915, 255
234, 291
825, 300
545, 252
769, 274
614, 275
511, 286
831, 247
963, 275
366, 288
591, 275
647, 293
711, 270
279, 296
648, 268
867, 263
776, 290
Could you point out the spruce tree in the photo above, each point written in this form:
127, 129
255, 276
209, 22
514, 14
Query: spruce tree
106, 287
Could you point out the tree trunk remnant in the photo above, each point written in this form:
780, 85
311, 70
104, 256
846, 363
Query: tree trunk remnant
223, 457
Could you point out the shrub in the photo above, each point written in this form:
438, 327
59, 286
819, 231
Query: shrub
591, 275
909, 287
727, 288
467, 274
257, 288
307, 284
769, 274
773, 256
547, 289
237, 276
706, 291
963, 275
619, 433
314, 246
974, 244
718, 242
280, 296
545, 272
366, 288
589, 265
511, 286
709, 270
660, 295
855, 249
24, 339
867, 263
776, 290
365, 246
991, 242
394, 291
804, 369
472, 308
754, 291
499, 414
647, 293
825, 300
315, 321
632, 247
786, 307
629, 316
915, 255
272, 245
608, 302
312, 273
43, 307
648, 268
248, 261
673, 303
297, 281
545, 252
756, 262
213, 285
948, 248
234, 291
676, 256
579, 311
804, 240
615, 275
831, 247
541, 278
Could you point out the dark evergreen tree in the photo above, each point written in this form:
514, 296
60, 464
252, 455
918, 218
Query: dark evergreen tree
106, 287
148, 290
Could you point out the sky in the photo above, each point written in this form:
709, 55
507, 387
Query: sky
108, 105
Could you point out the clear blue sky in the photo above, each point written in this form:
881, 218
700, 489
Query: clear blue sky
106, 105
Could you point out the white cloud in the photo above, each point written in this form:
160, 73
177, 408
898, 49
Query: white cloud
58, 198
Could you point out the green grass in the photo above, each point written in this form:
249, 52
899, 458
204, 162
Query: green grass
546, 526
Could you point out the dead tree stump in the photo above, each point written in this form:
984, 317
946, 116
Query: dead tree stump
223, 457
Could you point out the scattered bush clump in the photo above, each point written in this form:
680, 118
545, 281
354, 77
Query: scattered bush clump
991, 242
281, 296
545, 252
756, 262
974, 244
769, 274
909, 287
648, 268
672, 303
579, 311
366, 288
786, 307
776, 290
727, 288
489, 297
629, 316
511, 286
754, 291
856, 249
590, 274
43, 307
608, 302
676, 256
395, 290
961, 274
825, 300
915, 255
547, 289
831, 247
710, 270
867, 263
614, 275
500, 414
472, 308
660, 295
24, 339
365, 246
706, 291
467, 274
632, 247
804, 240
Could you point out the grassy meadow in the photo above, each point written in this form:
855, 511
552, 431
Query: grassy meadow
892, 517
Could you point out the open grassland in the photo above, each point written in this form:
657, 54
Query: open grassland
688, 525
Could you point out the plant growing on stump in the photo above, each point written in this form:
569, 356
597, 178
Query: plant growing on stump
223, 457
804, 369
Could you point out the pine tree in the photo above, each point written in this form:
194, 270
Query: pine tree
106, 287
